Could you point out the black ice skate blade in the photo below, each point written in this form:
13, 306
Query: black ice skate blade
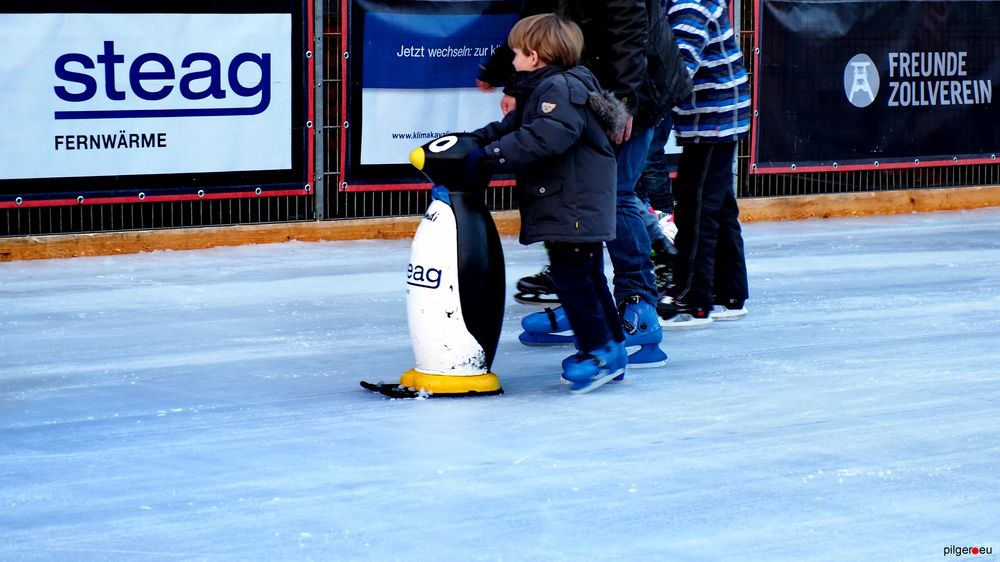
396, 390
536, 299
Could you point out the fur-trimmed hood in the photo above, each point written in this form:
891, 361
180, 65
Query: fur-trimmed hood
610, 111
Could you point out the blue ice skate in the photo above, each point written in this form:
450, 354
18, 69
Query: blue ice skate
576, 357
549, 327
643, 333
586, 371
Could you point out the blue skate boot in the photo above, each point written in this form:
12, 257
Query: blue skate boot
576, 357
643, 333
549, 327
586, 371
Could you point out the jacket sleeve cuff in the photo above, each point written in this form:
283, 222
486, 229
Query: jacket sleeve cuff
495, 156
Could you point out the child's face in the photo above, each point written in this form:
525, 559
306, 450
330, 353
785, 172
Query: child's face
526, 62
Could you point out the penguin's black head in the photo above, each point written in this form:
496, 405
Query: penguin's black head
443, 161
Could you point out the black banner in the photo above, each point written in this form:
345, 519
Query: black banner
848, 85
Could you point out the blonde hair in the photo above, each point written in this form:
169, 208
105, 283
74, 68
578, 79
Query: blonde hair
557, 40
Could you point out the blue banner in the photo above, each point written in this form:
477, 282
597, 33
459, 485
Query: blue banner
423, 51
412, 72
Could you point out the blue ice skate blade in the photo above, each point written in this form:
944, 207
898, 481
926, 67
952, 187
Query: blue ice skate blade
619, 378
646, 356
536, 339
586, 386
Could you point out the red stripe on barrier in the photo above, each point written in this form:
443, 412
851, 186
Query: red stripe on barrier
756, 85
346, 85
872, 166
408, 186
27, 203
311, 99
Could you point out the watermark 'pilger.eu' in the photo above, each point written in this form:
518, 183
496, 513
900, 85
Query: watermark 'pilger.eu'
963, 550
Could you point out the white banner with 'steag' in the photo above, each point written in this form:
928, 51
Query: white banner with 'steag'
126, 94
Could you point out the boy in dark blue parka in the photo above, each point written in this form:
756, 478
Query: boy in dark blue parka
556, 143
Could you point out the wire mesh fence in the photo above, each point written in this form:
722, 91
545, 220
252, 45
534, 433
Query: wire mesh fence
333, 203
154, 215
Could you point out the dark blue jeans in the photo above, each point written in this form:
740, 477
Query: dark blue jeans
654, 184
711, 265
578, 274
630, 249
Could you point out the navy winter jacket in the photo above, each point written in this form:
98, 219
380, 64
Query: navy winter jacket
559, 151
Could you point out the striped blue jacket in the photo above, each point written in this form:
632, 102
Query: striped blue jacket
719, 107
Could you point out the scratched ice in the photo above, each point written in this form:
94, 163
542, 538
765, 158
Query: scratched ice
205, 405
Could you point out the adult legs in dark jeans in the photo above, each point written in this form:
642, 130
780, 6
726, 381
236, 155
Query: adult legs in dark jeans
709, 239
654, 190
654, 183
578, 274
630, 249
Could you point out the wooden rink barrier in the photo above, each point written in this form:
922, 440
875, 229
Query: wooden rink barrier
508, 223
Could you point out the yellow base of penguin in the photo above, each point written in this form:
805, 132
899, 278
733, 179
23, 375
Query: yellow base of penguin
451, 385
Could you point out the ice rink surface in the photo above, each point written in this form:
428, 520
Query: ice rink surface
204, 405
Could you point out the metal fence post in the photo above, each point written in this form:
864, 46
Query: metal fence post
319, 117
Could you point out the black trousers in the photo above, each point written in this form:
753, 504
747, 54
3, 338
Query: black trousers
711, 264
578, 275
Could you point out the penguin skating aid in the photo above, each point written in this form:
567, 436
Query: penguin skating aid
454, 284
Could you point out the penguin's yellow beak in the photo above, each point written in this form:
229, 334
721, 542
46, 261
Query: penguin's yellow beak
417, 158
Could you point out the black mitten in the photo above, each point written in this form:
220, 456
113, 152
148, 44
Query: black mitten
477, 167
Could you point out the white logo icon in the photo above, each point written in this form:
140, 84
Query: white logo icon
442, 144
861, 80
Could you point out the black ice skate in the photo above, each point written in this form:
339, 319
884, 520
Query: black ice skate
537, 289
664, 255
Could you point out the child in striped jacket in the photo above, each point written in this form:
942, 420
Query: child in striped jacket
710, 278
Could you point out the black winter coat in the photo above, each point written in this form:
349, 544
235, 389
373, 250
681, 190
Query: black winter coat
629, 46
559, 151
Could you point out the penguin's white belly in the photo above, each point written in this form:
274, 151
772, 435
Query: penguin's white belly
441, 342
